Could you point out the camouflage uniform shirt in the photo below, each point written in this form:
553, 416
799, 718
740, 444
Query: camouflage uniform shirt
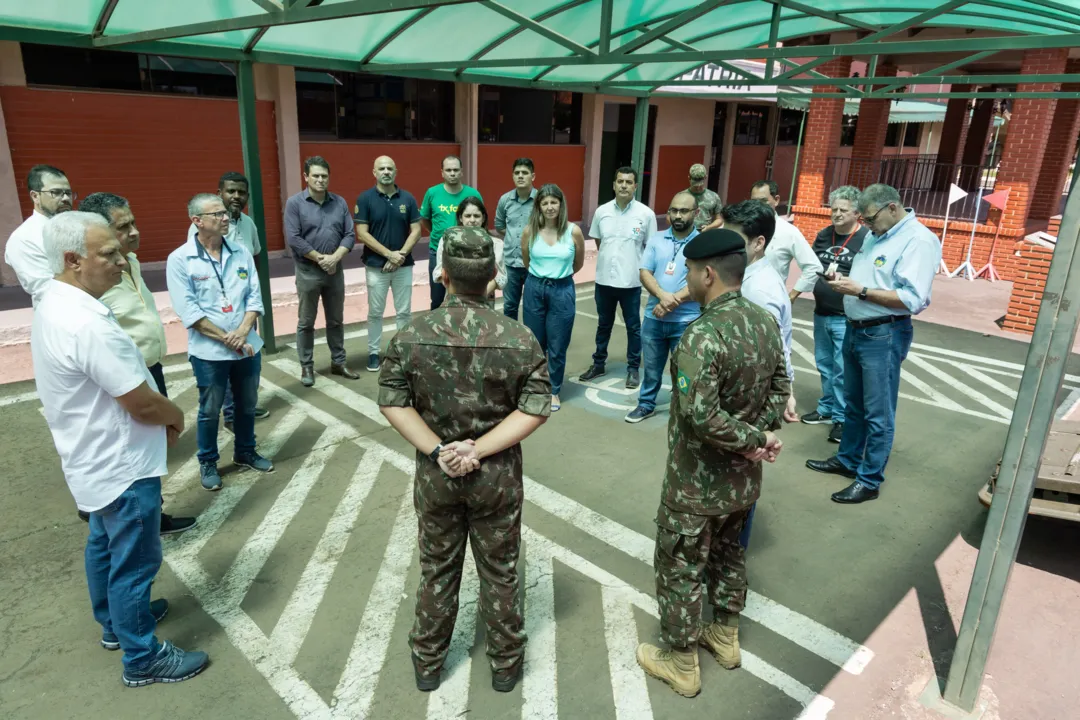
729, 385
708, 207
464, 368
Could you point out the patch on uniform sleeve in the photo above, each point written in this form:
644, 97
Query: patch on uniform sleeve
687, 371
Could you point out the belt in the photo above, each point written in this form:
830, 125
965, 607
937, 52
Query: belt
858, 324
568, 280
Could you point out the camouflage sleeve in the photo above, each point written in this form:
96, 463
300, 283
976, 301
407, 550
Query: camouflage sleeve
535, 395
700, 363
779, 391
394, 388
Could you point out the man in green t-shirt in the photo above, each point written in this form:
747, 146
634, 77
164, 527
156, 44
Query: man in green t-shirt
439, 212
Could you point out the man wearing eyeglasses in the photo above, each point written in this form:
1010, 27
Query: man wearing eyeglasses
890, 280
51, 194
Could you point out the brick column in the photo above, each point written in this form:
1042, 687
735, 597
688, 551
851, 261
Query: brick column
953, 132
982, 119
870, 137
822, 137
1032, 266
1025, 145
1060, 149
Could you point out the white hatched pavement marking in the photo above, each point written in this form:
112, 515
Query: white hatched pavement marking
982, 377
353, 400
451, 700
959, 386
628, 683
540, 686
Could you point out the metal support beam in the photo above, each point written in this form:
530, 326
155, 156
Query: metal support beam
1032, 416
683, 18
641, 134
605, 27
847, 87
270, 6
103, 17
250, 44
249, 146
538, 28
826, 14
1050, 4
984, 95
922, 79
1075, 20
795, 169
774, 37
295, 14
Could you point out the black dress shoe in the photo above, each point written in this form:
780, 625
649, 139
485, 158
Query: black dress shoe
425, 683
505, 682
84, 516
307, 376
854, 493
832, 466
343, 372
592, 373
172, 525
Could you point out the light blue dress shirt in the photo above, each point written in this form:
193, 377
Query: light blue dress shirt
663, 249
200, 287
764, 287
904, 259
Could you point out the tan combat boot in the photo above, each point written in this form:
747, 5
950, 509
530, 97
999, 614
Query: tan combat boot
680, 670
722, 640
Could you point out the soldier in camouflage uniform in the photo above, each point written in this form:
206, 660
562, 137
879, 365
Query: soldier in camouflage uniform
708, 202
730, 386
465, 385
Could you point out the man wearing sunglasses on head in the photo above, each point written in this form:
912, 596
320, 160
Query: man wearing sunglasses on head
51, 194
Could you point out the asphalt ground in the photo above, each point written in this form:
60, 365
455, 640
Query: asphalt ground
300, 583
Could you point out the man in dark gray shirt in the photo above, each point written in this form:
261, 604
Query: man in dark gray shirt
319, 230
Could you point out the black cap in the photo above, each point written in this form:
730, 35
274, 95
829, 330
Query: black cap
714, 243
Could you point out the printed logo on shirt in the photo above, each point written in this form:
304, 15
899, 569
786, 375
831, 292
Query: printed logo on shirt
879, 261
355, 209
242, 273
836, 253
402, 208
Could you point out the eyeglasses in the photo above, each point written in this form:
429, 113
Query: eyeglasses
681, 211
59, 193
220, 214
869, 221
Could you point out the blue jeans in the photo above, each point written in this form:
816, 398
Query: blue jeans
659, 339
549, 309
744, 537
212, 378
515, 284
829, 331
123, 555
629, 299
872, 358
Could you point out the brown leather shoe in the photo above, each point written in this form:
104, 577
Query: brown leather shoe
307, 376
343, 372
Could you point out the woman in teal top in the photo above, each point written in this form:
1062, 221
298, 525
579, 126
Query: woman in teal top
552, 250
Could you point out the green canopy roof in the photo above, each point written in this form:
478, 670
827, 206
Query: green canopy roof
627, 46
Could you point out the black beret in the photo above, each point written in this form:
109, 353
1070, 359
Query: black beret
714, 243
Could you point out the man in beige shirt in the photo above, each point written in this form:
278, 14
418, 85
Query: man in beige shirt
133, 305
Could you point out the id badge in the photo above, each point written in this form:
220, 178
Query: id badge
670, 270
833, 267
226, 308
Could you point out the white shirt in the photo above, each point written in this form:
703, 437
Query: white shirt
25, 253
788, 243
623, 235
764, 287
83, 361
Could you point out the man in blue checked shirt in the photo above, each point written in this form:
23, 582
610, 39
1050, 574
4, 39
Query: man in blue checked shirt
669, 310
215, 292
891, 279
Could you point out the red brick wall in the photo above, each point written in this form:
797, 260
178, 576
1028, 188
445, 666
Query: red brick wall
1032, 266
870, 136
155, 150
563, 165
822, 136
1060, 149
419, 164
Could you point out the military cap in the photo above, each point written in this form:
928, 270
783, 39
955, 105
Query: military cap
467, 243
714, 243
698, 172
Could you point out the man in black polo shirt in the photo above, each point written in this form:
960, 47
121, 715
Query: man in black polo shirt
835, 247
388, 223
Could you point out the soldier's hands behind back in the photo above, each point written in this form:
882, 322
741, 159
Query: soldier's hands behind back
459, 458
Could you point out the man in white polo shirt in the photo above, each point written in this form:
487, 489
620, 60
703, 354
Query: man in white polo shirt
787, 243
111, 428
51, 194
621, 229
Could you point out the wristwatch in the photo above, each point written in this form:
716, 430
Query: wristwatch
862, 293
434, 455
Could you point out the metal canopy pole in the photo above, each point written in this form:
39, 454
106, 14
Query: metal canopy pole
641, 131
249, 144
1024, 445
795, 169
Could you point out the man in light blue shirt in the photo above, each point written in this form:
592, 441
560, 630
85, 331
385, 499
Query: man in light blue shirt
511, 216
214, 290
669, 310
891, 278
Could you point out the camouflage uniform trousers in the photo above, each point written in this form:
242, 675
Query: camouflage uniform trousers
703, 547
487, 513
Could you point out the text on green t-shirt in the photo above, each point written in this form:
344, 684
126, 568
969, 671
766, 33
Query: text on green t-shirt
440, 208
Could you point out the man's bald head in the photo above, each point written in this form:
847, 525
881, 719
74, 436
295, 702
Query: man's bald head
684, 195
681, 212
385, 171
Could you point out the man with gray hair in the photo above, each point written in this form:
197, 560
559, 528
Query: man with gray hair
111, 428
215, 292
890, 280
835, 247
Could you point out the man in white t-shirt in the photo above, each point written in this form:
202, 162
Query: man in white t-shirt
111, 428
51, 194
621, 229
787, 243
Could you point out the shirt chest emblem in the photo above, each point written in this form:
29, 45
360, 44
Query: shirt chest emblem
242, 273
401, 208
880, 261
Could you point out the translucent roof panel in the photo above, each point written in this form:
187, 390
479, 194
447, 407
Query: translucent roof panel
511, 41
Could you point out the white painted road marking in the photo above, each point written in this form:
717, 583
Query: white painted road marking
360, 403
451, 700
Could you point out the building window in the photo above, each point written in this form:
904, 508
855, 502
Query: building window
911, 133
58, 66
751, 125
790, 123
526, 116
847, 130
357, 106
